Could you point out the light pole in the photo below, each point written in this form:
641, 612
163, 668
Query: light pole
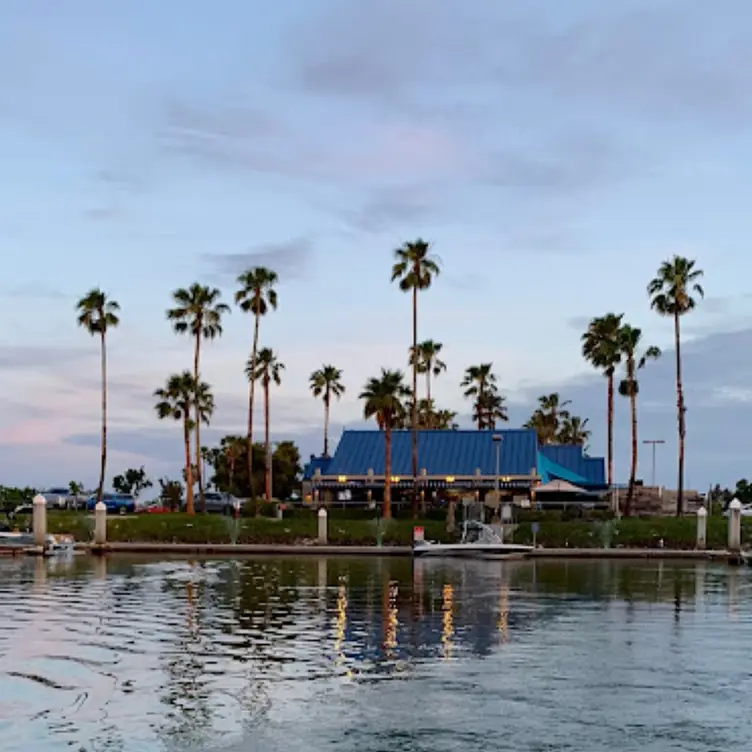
497, 444
653, 443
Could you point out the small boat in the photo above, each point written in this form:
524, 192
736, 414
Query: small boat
478, 540
55, 545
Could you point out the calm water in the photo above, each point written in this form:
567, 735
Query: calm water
308, 654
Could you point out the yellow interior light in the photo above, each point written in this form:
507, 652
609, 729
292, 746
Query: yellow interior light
342, 479
450, 479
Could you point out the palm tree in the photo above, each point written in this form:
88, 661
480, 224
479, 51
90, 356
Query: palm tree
327, 382
234, 449
98, 314
600, 347
180, 398
671, 295
428, 361
198, 313
415, 268
629, 344
446, 420
268, 370
257, 296
384, 399
478, 381
547, 418
574, 430
490, 408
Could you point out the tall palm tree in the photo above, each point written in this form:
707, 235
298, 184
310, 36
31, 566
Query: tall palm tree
630, 340
671, 295
600, 347
268, 370
181, 398
428, 361
326, 382
477, 382
415, 267
548, 417
256, 296
198, 312
384, 399
98, 314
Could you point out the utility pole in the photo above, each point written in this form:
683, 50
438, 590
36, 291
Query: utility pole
653, 443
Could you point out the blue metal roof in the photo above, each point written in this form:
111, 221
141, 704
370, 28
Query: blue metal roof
321, 463
572, 457
439, 452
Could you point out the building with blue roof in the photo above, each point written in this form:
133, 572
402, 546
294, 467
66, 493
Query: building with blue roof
464, 459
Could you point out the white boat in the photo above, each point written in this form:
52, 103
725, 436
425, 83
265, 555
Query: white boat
55, 545
478, 540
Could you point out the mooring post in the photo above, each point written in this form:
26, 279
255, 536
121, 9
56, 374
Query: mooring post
735, 526
39, 520
323, 526
100, 524
702, 528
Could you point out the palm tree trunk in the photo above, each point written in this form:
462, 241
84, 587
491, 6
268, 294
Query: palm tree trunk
189, 506
428, 383
415, 403
230, 475
610, 413
633, 471
197, 420
267, 444
680, 408
103, 464
252, 394
327, 399
388, 471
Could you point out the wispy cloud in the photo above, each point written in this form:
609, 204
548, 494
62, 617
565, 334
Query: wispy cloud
289, 259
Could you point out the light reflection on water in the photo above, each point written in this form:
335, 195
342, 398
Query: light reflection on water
268, 654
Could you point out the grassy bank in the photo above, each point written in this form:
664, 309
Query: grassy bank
344, 530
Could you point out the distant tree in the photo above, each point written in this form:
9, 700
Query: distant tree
384, 398
600, 347
171, 493
132, 481
268, 371
428, 361
326, 382
198, 312
257, 295
76, 488
671, 294
98, 314
630, 340
415, 269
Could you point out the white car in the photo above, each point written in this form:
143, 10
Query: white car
57, 498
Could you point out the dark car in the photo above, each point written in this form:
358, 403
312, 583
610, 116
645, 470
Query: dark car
116, 503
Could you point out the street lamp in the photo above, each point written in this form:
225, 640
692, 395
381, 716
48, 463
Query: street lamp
497, 442
653, 443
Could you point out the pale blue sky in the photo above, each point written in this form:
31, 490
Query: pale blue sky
554, 153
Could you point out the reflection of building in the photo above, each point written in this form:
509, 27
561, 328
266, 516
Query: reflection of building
457, 460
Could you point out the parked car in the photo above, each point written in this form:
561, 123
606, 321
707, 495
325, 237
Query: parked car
156, 506
58, 498
218, 502
116, 503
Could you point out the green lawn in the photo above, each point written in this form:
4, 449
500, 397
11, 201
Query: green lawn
346, 530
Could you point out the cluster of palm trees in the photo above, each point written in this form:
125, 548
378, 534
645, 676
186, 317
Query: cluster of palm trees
198, 311
610, 342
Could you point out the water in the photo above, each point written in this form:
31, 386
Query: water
315, 654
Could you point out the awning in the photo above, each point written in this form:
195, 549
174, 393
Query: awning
562, 487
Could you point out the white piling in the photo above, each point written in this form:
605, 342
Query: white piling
735, 526
702, 528
39, 520
323, 526
100, 524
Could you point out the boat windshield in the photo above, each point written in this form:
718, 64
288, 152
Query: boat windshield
477, 532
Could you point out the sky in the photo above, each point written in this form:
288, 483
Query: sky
553, 153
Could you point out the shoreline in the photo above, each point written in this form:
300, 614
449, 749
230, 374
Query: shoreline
288, 549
